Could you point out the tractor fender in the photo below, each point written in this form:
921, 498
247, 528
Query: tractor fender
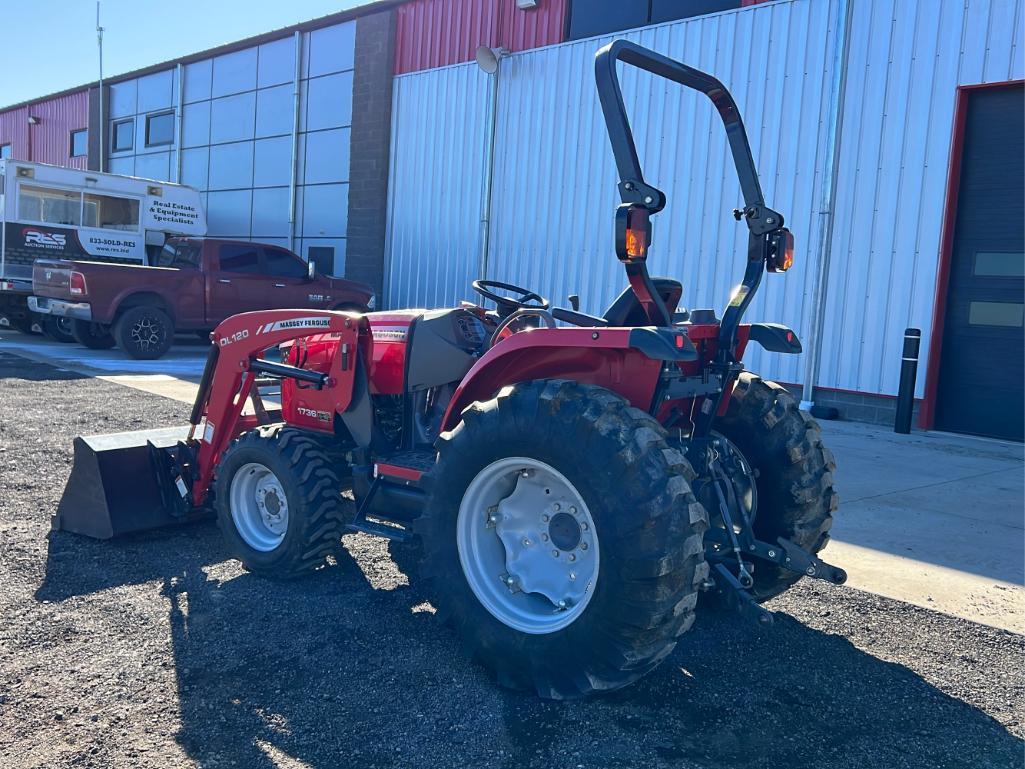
626, 361
775, 337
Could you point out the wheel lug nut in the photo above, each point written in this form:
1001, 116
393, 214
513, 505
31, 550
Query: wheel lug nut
562, 604
544, 537
527, 543
556, 507
583, 526
572, 557
572, 576
555, 553
583, 545
544, 518
573, 510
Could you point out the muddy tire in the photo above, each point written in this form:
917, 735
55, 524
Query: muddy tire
92, 335
796, 498
145, 332
57, 328
279, 501
605, 514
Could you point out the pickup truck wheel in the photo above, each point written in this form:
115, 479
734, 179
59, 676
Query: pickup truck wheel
95, 336
57, 328
144, 332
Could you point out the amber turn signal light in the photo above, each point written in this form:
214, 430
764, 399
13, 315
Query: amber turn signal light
781, 251
633, 233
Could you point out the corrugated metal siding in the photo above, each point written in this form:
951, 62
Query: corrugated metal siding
906, 59
436, 33
50, 139
555, 193
555, 181
434, 186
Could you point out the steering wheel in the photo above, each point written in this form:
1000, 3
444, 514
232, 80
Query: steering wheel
526, 300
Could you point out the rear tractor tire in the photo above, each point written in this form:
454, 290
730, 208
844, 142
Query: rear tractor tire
145, 332
561, 538
92, 335
794, 472
279, 501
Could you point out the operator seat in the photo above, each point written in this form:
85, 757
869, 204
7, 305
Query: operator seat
626, 310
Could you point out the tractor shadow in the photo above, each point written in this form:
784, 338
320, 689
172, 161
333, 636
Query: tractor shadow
348, 667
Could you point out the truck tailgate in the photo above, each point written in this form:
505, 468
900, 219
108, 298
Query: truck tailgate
52, 278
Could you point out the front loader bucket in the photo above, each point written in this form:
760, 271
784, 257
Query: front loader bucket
117, 484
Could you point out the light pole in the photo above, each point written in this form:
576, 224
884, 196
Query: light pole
101, 120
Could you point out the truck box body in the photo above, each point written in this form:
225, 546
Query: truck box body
50, 212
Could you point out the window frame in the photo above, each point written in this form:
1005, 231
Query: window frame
9, 148
56, 188
116, 196
149, 119
71, 144
131, 135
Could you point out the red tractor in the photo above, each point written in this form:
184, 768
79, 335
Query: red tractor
573, 484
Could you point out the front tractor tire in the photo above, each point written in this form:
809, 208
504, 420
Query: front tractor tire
279, 502
561, 538
794, 473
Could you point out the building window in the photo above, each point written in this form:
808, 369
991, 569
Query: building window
122, 136
5, 151
49, 206
588, 18
110, 213
79, 143
159, 129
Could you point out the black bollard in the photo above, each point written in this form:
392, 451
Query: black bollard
908, 374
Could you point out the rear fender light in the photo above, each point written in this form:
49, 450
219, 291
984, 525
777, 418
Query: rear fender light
77, 286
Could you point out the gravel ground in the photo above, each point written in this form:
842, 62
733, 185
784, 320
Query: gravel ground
155, 651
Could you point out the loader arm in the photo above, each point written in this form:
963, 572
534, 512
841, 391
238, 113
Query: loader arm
235, 361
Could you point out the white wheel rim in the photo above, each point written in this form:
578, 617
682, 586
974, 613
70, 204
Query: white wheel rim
259, 507
527, 545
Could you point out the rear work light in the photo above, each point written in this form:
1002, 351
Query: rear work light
781, 251
77, 284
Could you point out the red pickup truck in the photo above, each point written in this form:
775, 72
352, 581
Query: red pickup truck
196, 283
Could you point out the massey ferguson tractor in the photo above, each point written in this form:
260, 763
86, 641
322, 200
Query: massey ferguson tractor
574, 486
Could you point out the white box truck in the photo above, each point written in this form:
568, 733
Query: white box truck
50, 212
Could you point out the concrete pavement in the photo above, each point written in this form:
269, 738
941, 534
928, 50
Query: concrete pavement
932, 519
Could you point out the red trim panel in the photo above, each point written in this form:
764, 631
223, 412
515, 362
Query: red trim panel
398, 471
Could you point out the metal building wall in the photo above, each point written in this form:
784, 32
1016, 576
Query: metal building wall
554, 190
906, 59
50, 139
555, 184
434, 186
436, 33
237, 116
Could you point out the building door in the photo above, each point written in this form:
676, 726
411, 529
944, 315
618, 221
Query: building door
982, 363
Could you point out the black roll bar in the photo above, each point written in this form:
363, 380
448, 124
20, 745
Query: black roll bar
762, 221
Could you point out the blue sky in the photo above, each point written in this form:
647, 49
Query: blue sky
50, 45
